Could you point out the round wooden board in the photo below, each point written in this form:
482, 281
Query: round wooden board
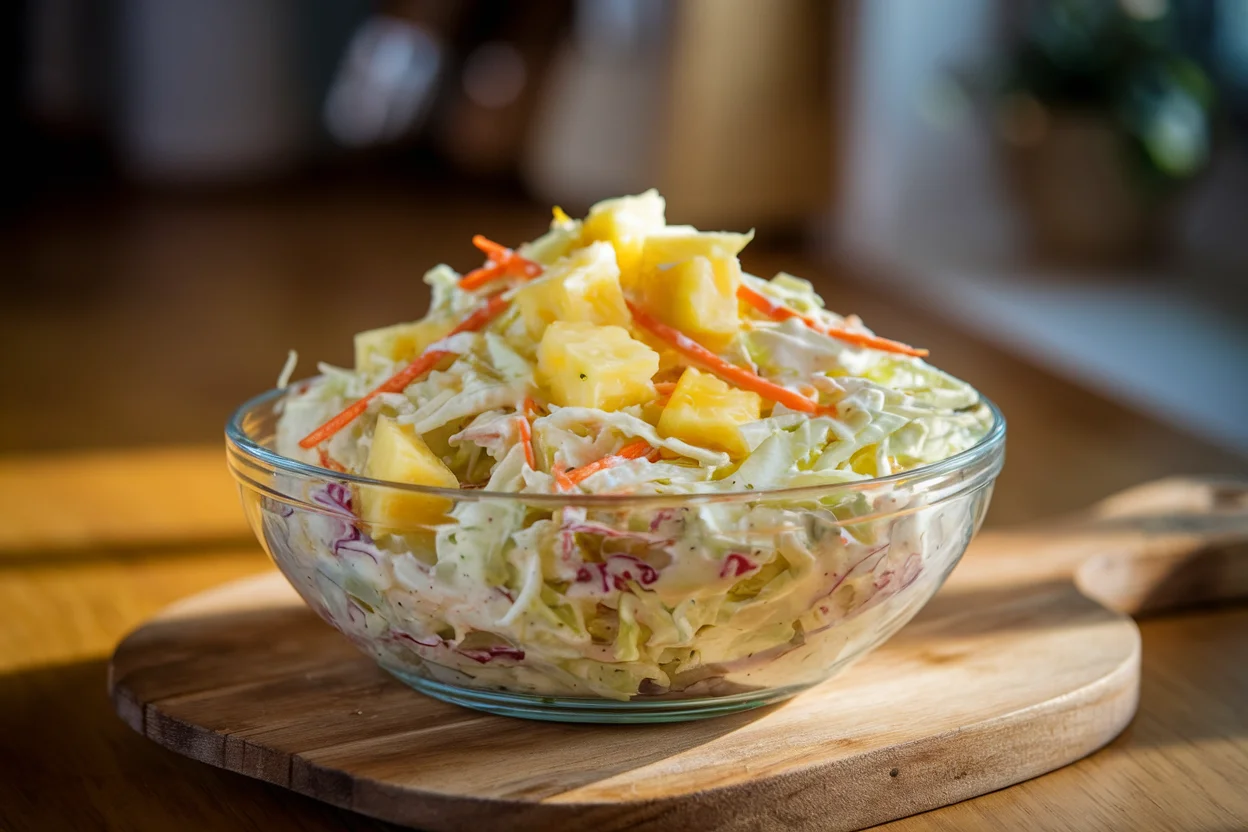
993, 683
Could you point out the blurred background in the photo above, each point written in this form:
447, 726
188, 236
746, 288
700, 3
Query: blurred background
195, 186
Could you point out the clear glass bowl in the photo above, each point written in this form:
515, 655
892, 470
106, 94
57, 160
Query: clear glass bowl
606, 615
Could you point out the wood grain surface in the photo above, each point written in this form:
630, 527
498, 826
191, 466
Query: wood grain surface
1008, 673
60, 506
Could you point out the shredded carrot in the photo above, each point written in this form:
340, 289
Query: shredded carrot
329, 462
500, 262
773, 310
479, 277
482, 316
780, 312
494, 251
633, 450
526, 437
528, 409
562, 481
665, 389
739, 376
875, 342
398, 382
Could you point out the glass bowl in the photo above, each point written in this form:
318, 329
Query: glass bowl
613, 608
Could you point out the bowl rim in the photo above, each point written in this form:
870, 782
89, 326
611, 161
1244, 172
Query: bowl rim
984, 452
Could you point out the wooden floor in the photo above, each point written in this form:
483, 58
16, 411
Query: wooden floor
143, 320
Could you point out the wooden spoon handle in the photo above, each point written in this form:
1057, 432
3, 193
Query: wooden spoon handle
1171, 543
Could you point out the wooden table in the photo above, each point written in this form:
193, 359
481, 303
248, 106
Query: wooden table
92, 542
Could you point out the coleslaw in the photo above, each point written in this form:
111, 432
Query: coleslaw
621, 356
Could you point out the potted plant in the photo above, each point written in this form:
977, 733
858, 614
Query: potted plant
1105, 116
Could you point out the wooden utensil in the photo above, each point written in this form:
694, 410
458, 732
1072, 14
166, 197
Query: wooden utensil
1012, 670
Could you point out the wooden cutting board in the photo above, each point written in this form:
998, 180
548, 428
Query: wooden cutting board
1012, 670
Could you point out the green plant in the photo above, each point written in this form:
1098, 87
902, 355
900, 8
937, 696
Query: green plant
1127, 61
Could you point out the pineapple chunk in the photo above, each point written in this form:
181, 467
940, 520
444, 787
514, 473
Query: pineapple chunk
698, 297
583, 365
625, 223
398, 343
677, 243
563, 236
705, 411
398, 454
583, 287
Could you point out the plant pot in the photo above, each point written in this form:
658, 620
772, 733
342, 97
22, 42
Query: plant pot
1079, 201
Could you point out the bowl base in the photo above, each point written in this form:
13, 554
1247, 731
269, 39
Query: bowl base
577, 709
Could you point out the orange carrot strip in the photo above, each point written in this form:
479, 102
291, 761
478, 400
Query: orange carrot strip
501, 262
739, 376
494, 251
875, 342
526, 436
562, 481
773, 310
398, 382
780, 312
329, 462
395, 384
665, 389
528, 410
482, 316
633, 450
479, 277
